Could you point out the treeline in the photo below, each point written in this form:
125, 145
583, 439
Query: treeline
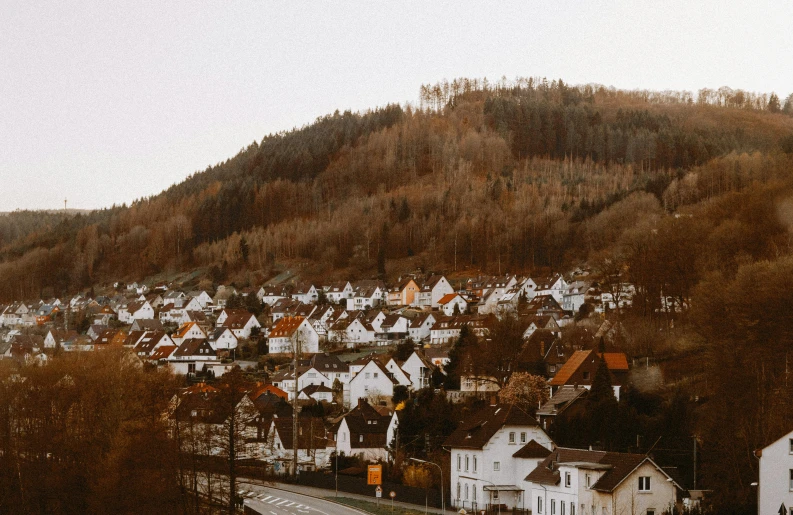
506, 178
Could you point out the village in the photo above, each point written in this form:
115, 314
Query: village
346, 356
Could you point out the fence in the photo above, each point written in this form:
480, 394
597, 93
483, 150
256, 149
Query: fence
357, 485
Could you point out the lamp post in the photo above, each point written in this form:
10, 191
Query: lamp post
443, 498
486, 481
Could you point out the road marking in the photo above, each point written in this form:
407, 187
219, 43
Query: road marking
282, 502
274, 513
265, 498
291, 504
274, 500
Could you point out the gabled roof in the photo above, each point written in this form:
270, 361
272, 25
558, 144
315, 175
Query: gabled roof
570, 368
314, 388
560, 400
475, 431
286, 327
532, 450
448, 298
617, 465
237, 320
616, 362
431, 283
163, 352
193, 346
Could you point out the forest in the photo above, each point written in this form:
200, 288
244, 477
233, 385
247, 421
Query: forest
687, 196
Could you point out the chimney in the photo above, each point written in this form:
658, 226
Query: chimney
361, 401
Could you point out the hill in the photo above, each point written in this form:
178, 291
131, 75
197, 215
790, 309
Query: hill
494, 177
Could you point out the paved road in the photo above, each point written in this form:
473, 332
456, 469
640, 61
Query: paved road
272, 501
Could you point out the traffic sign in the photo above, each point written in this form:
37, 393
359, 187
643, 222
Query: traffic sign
378, 492
374, 475
392, 494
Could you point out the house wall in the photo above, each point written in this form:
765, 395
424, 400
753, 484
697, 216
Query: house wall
367, 385
776, 467
481, 465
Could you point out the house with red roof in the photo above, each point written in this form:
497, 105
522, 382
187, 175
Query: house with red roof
292, 330
453, 304
580, 370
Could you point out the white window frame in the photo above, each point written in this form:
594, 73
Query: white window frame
512, 437
496, 466
646, 486
567, 479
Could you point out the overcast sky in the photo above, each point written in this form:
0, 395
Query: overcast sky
103, 102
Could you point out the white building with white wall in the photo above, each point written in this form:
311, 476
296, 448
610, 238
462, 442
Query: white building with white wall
484, 468
775, 486
579, 481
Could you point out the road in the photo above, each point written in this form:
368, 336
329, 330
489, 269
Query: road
273, 501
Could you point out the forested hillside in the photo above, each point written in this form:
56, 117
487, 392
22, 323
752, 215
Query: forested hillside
511, 176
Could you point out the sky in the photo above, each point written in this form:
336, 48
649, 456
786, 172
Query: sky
103, 102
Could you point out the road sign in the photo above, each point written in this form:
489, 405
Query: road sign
378, 492
392, 494
374, 475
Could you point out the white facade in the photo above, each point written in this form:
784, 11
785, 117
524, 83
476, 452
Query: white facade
428, 297
457, 302
644, 491
775, 486
372, 384
307, 335
421, 331
494, 464
420, 374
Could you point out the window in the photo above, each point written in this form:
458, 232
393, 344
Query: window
375, 375
586, 376
791, 446
588, 480
651, 512
473, 488
523, 437
539, 504
644, 482
572, 508
553, 506
312, 374
562, 506
459, 462
791, 480
495, 495
567, 479
466, 464
496, 465
475, 460
458, 490
466, 491
511, 437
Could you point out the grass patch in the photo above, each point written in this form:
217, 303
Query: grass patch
383, 509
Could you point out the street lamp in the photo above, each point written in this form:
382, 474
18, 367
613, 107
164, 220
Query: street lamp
486, 481
443, 498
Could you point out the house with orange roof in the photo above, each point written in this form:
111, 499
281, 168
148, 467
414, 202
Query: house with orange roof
403, 293
291, 330
580, 370
190, 330
451, 303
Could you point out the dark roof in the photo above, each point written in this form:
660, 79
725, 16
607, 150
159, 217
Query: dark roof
563, 398
618, 466
314, 388
191, 347
479, 428
311, 432
532, 450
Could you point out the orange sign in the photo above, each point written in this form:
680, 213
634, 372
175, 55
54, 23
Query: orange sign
374, 475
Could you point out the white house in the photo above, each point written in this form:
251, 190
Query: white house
270, 294
319, 393
453, 304
351, 332
366, 295
242, 324
223, 339
338, 291
419, 369
291, 330
432, 292
373, 383
484, 468
554, 286
188, 331
310, 377
775, 486
305, 293
400, 376
366, 432
420, 327
135, 311
609, 483
201, 297
575, 295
